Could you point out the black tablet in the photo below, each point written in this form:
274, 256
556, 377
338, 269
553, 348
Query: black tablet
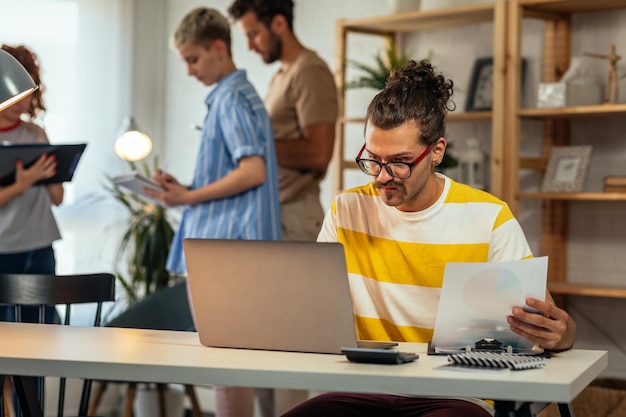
67, 156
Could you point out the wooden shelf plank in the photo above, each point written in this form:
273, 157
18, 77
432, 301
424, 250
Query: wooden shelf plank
349, 164
459, 117
574, 196
600, 110
587, 290
352, 120
419, 20
533, 163
571, 6
469, 116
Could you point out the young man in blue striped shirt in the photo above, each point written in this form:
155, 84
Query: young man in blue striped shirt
234, 193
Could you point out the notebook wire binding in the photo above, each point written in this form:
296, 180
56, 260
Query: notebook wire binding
496, 360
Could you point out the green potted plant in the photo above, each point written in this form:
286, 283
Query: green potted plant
145, 242
376, 77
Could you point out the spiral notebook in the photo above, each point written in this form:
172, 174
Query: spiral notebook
496, 360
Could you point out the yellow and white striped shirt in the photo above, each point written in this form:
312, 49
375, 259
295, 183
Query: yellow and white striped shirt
396, 259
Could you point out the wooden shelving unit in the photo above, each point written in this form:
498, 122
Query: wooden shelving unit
557, 17
507, 115
391, 28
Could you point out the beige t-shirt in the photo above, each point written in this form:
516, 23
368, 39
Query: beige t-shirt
303, 95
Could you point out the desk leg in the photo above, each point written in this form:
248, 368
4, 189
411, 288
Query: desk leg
27, 396
566, 410
513, 409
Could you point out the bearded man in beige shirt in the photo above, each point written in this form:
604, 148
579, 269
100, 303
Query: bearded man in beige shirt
302, 104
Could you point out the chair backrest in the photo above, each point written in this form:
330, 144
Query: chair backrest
23, 290
166, 309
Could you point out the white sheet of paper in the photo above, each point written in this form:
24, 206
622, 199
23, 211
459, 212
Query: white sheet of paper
477, 297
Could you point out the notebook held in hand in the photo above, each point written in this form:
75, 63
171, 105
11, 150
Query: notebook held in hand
67, 157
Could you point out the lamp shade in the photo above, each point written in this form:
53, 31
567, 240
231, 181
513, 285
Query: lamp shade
15, 83
131, 144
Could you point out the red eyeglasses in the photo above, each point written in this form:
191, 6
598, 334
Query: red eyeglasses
401, 170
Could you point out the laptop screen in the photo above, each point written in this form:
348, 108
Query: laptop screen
276, 295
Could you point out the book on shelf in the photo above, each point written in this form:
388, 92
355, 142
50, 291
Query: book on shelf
615, 180
615, 188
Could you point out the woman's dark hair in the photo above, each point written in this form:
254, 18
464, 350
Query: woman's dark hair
265, 10
29, 60
414, 92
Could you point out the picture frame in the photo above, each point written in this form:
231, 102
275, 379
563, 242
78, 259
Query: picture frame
480, 92
567, 169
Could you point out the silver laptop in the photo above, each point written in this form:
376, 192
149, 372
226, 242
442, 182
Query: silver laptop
275, 295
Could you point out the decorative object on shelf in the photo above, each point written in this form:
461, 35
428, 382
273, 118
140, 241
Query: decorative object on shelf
578, 87
615, 184
378, 74
472, 165
480, 93
611, 78
567, 169
568, 94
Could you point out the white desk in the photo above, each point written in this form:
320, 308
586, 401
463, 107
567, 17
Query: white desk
177, 357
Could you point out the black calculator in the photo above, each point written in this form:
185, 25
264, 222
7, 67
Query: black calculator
382, 356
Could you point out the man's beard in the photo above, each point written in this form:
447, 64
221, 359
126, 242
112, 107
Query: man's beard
275, 49
397, 185
394, 197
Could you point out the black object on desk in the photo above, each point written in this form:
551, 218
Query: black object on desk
382, 356
67, 156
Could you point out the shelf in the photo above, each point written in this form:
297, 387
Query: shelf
398, 27
574, 196
587, 290
569, 6
419, 20
349, 164
469, 116
576, 112
352, 120
459, 117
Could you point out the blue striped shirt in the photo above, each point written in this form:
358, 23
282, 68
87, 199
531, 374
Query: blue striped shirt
236, 126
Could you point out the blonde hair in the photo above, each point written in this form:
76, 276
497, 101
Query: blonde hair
202, 26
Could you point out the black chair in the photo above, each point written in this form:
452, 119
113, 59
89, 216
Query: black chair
25, 290
166, 309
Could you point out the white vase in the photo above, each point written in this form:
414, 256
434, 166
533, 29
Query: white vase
472, 165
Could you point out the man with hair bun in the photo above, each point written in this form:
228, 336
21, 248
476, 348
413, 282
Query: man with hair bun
401, 229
